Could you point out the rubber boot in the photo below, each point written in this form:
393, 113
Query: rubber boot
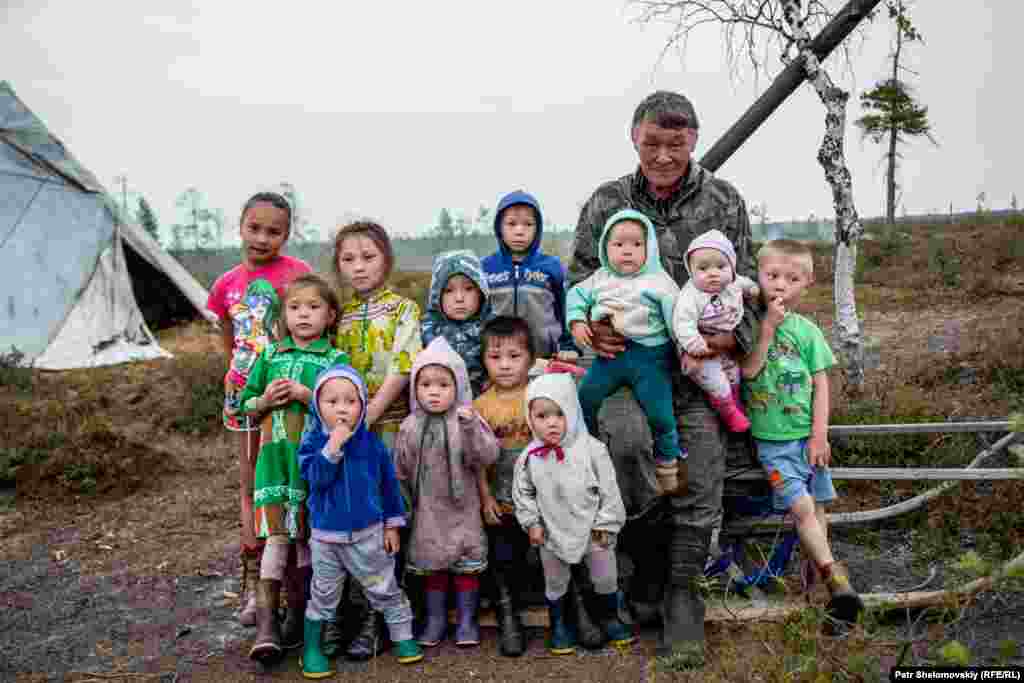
682, 633
561, 640
369, 640
267, 648
292, 628
844, 604
313, 662
586, 632
511, 642
331, 638
729, 411
617, 633
436, 622
467, 626
250, 577
408, 651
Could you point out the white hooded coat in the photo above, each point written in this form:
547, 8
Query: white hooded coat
569, 497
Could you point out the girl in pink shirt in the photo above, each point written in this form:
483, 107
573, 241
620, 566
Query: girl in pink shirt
247, 299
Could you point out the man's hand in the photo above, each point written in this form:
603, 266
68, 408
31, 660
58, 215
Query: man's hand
491, 510
392, 541
568, 356
819, 452
580, 333
606, 342
536, 535
691, 364
722, 342
339, 437
600, 538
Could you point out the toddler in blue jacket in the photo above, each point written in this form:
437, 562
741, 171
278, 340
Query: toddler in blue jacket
355, 510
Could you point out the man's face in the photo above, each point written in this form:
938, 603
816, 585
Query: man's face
664, 153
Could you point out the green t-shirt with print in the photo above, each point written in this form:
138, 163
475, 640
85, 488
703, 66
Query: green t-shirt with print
779, 401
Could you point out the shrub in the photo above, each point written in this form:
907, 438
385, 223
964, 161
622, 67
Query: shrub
14, 371
202, 375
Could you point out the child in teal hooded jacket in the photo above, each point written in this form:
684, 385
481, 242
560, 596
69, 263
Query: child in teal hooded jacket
637, 296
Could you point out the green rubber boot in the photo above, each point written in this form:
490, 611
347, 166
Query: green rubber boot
408, 651
313, 662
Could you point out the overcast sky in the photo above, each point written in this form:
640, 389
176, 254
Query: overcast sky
394, 110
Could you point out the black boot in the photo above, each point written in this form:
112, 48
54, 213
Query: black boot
369, 641
683, 608
511, 642
588, 634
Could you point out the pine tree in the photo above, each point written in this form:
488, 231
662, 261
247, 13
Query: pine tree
893, 114
148, 220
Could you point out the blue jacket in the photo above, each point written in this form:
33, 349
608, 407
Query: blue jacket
534, 288
361, 489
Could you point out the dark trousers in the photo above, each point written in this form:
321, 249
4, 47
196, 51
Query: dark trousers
647, 371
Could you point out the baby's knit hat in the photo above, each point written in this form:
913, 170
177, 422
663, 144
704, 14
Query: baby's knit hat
713, 239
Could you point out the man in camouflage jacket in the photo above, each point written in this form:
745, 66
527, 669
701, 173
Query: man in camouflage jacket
682, 200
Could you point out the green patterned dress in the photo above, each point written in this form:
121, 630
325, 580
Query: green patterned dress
279, 496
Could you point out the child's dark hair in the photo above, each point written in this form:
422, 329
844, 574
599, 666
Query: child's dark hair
374, 232
507, 327
274, 199
324, 290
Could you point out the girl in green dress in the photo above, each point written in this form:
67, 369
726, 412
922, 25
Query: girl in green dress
278, 393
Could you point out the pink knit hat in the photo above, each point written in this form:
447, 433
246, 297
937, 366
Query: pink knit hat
713, 239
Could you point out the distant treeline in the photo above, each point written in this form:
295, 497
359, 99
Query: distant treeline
417, 254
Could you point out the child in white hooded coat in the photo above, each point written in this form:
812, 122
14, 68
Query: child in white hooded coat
568, 501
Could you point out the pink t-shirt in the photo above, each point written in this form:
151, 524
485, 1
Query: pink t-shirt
226, 295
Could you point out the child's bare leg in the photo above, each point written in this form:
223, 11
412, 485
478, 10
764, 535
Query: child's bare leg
249, 444
813, 538
250, 545
822, 517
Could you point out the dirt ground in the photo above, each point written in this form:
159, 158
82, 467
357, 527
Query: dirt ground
138, 579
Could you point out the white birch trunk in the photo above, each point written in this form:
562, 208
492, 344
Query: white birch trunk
846, 327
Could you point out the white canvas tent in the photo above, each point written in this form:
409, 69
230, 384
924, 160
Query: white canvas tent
73, 279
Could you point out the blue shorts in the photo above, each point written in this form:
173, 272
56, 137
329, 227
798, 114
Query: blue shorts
791, 475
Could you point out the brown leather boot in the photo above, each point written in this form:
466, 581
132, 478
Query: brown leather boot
267, 648
295, 581
247, 594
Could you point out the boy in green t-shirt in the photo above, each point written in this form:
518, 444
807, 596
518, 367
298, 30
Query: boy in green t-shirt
787, 400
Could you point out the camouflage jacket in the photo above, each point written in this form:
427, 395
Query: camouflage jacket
702, 203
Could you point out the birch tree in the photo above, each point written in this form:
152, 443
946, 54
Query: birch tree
752, 30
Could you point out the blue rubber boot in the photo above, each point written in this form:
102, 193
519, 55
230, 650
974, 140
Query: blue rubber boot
435, 625
561, 642
618, 634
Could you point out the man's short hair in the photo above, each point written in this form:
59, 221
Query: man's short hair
665, 109
507, 327
790, 248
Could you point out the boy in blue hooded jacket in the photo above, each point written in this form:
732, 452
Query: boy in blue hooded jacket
355, 511
525, 282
